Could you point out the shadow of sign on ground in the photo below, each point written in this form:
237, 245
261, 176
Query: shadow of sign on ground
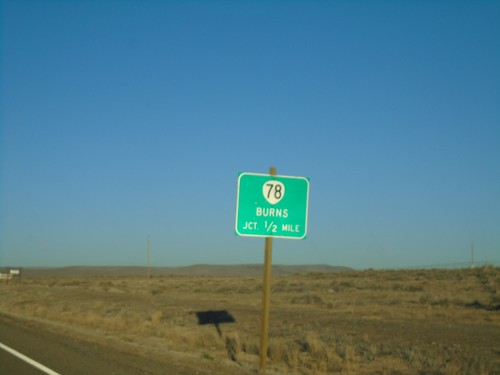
215, 317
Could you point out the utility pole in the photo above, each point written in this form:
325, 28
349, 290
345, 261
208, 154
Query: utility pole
472, 254
149, 259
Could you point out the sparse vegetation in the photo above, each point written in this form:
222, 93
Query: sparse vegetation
369, 322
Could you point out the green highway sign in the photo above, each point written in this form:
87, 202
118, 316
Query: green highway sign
272, 206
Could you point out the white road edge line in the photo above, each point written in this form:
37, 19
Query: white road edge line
28, 360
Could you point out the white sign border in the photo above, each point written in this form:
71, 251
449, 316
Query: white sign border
271, 176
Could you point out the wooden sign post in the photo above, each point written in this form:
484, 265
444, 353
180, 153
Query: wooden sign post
266, 296
270, 206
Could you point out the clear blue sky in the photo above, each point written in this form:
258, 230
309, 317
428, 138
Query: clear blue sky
121, 119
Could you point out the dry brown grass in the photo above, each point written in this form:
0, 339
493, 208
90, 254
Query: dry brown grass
370, 322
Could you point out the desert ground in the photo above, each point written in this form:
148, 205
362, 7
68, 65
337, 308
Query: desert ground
322, 320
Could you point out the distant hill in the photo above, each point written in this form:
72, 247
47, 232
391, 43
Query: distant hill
194, 270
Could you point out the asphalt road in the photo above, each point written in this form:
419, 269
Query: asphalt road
10, 364
68, 356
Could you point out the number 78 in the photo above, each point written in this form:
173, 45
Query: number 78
274, 189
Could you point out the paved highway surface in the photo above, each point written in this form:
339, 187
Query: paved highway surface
10, 364
68, 356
